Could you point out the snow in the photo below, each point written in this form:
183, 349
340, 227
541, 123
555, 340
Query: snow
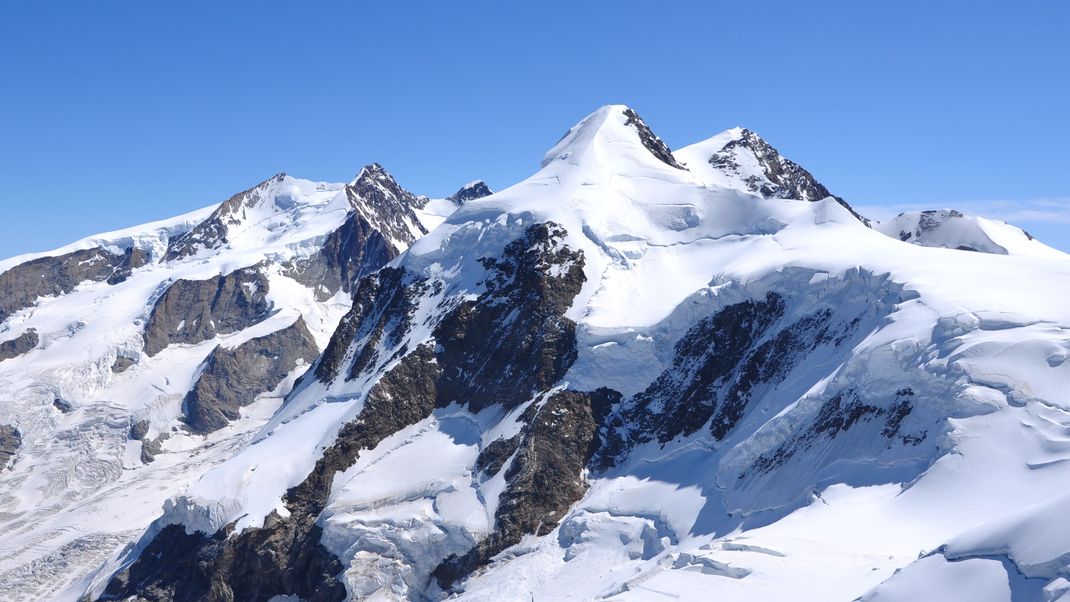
981, 339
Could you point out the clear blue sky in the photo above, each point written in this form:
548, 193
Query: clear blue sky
117, 113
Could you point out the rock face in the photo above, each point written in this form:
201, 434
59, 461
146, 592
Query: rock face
233, 378
544, 477
383, 202
781, 178
650, 140
521, 312
726, 361
22, 285
351, 252
382, 221
10, 442
192, 311
19, 345
470, 192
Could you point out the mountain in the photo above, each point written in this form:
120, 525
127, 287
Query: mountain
636, 373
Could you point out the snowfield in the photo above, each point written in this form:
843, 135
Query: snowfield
903, 431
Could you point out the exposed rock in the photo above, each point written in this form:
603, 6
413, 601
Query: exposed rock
150, 448
233, 378
545, 477
493, 457
514, 340
783, 178
10, 442
192, 311
22, 285
351, 252
212, 232
650, 140
19, 345
377, 196
122, 363
131, 259
470, 192
382, 306
62, 405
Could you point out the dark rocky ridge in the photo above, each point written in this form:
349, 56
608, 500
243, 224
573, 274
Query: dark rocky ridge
538, 277
351, 252
785, 178
192, 311
650, 140
10, 442
19, 345
545, 477
22, 285
382, 214
233, 378
212, 232
470, 192
387, 205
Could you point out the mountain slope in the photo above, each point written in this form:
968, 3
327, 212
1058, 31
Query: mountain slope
133, 361
641, 372
636, 373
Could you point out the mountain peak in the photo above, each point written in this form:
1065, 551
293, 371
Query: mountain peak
613, 130
471, 191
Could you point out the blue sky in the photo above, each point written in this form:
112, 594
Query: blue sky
117, 113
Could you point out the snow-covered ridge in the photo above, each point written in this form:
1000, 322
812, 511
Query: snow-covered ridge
633, 373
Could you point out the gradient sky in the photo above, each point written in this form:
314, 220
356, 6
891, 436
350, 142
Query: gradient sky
117, 113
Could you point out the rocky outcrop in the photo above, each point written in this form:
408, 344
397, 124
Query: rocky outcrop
62, 405
351, 252
193, 311
233, 378
22, 285
150, 447
544, 478
122, 364
514, 340
383, 305
212, 232
781, 178
470, 192
19, 345
10, 442
651, 140
377, 196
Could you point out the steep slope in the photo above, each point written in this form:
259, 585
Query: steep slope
640, 372
134, 361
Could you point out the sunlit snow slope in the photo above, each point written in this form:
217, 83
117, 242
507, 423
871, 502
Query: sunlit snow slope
636, 374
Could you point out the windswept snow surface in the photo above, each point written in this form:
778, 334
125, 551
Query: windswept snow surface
944, 480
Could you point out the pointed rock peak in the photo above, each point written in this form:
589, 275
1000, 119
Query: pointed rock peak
470, 192
376, 187
612, 130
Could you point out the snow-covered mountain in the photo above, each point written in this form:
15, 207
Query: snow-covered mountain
638, 373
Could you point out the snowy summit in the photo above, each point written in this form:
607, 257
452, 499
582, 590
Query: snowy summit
637, 373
